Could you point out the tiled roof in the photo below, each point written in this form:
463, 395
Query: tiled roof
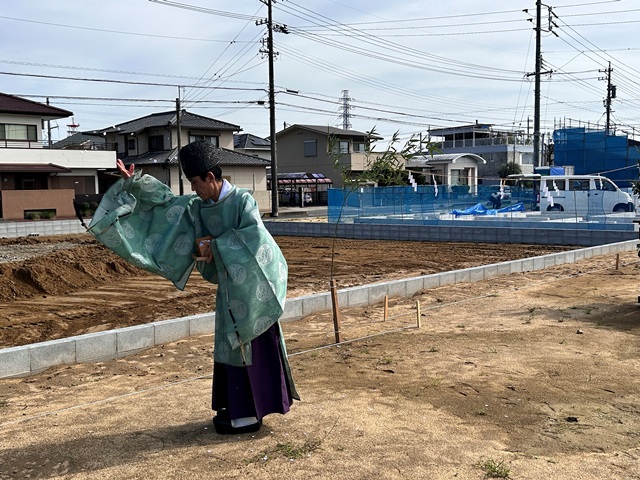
156, 120
153, 158
247, 140
78, 139
231, 158
228, 158
22, 106
329, 130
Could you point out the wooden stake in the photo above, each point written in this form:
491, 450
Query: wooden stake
418, 314
617, 261
336, 311
386, 307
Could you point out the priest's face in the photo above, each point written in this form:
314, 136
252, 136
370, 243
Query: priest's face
209, 188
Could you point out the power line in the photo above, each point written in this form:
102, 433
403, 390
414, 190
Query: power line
209, 11
120, 32
128, 82
90, 69
398, 48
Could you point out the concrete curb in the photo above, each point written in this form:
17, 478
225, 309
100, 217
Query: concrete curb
94, 347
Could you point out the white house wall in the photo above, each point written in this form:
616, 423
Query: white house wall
73, 159
24, 120
225, 139
251, 178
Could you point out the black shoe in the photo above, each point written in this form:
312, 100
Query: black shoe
223, 426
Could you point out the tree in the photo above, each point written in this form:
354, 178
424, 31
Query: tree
510, 168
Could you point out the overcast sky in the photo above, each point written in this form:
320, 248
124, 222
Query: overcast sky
407, 65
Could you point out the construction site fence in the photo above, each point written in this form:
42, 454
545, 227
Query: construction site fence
431, 205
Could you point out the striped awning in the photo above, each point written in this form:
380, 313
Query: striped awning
304, 181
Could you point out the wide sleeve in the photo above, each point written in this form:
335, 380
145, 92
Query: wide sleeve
142, 221
256, 273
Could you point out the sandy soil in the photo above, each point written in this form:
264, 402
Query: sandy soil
526, 376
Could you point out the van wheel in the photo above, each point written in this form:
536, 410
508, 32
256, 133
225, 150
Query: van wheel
620, 208
555, 208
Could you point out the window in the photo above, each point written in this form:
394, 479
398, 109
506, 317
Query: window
207, 138
579, 185
131, 144
605, 185
341, 147
156, 143
18, 132
359, 147
310, 148
527, 159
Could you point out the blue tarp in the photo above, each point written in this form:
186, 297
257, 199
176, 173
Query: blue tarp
480, 209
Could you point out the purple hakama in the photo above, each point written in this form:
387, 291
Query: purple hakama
258, 389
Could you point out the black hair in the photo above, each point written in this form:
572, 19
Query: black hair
217, 173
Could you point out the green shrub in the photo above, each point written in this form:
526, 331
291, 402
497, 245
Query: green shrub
47, 214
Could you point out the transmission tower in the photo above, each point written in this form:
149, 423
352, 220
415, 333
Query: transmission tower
346, 110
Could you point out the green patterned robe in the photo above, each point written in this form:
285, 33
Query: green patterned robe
142, 221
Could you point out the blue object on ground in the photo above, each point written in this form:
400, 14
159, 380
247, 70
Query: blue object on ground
480, 209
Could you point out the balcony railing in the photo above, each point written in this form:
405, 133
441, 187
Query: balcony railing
487, 142
19, 144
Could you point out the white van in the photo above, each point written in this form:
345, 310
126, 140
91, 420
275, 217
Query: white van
575, 194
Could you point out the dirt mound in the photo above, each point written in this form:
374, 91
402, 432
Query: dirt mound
62, 271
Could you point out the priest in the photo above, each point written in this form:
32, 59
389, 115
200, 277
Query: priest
219, 231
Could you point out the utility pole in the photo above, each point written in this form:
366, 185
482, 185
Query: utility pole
179, 133
49, 129
272, 100
536, 89
537, 74
611, 94
272, 114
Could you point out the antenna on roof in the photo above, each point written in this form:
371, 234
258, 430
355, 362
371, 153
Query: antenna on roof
73, 127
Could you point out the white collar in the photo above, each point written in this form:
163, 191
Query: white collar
224, 191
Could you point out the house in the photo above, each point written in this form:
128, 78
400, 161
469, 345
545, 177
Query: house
315, 148
252, 145
151, 143
36, 180
81, 141
497, 147
451, 169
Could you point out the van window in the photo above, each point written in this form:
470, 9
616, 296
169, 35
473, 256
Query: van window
556, 184
579, 185
605, 185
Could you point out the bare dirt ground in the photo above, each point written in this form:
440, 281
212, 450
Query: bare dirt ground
56, 287
526, 376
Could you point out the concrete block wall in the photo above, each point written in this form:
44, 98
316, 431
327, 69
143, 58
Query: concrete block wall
459, 233
30, 359
41, 228
112, 344
101, 346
